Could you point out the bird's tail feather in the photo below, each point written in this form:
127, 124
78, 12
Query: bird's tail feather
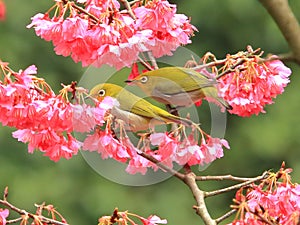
211, 95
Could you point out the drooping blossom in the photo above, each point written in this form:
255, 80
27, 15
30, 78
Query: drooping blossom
2, 10
188, 151
85, 117
169, 30
257, 83
44, 120
153, 220
3, 215
110, 36
139, 164
105, 144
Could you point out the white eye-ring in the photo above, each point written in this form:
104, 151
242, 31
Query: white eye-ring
101, 92
144, 79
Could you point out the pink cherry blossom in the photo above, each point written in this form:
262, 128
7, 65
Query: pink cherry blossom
110, 36
42, 119
249, 90
85, 117
109, 147
137, 164
153, 220
187, 151
2, 10
52, 144
3, 215
167, 146
282, 203
169, 30
212, 148
275, 199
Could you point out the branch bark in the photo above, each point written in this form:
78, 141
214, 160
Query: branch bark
287, 23
22, 212
199, 195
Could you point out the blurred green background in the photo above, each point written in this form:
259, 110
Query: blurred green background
258, 143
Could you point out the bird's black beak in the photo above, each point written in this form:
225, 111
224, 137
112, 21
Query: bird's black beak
129, 82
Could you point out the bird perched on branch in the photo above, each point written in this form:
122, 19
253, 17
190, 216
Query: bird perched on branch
178, 86
137, 113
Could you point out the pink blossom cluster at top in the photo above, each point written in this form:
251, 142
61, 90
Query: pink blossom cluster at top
101, 33
42, 119
253, 85
277, 202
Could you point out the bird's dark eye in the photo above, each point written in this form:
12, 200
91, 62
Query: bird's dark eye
101, 92
144, 79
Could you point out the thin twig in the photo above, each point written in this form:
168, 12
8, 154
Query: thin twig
134, 1
162, 166
14, 220
283, 57
152, 60
145, 64
237, 186
210, 64
231, 69
225, 216
32, 216
128, 7
223, 177
80, 9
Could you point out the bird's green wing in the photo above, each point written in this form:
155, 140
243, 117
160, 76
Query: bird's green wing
145, 109
173, 80
138, 106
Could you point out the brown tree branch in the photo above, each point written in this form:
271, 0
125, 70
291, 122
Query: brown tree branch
225, 216
162, 166
199, 195
190, 180
24, 214
287, 23
223, 177
31, 215
237, 186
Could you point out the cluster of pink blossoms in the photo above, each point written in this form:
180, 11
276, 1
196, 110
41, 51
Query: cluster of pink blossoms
271, 202
253, 85
169, 149
46, 121
42, 119
101, 33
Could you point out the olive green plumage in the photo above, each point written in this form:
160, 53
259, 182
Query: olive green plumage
177, 86
137, 113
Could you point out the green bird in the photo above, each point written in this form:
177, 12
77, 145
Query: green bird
137, 113
178, 86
